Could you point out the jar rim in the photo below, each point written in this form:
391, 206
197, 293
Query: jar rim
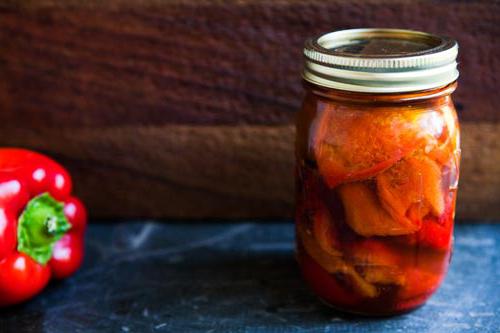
380, 60
382, 98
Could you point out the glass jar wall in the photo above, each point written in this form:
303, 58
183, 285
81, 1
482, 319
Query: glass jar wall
376, 176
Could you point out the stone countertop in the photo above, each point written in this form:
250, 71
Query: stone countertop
215, 277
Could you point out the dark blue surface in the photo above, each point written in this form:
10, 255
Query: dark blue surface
150, 277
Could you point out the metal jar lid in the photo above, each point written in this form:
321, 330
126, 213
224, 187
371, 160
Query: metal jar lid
380, 60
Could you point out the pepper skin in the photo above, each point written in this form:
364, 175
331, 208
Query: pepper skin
41, 225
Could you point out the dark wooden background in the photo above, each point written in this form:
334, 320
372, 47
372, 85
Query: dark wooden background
184, 109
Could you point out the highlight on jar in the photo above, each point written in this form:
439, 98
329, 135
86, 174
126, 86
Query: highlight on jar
377, 166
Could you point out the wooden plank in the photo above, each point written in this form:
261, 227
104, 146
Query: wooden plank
479, 191
183, 171
102, 63
182, 108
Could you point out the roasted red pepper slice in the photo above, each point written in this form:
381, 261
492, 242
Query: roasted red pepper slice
412, 188
379, 263
330, 259
325, 231
366, 216
437, 232
41, 225
325, 284
382, 138
419, 283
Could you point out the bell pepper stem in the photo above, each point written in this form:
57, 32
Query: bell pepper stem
41, 225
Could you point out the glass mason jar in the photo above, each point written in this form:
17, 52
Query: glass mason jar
377, 159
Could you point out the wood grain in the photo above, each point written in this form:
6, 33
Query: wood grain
210, 62
185, 171
183, 108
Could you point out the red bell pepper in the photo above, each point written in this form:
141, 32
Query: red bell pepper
41, 225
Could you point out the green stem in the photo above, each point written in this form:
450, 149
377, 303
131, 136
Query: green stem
41, 225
